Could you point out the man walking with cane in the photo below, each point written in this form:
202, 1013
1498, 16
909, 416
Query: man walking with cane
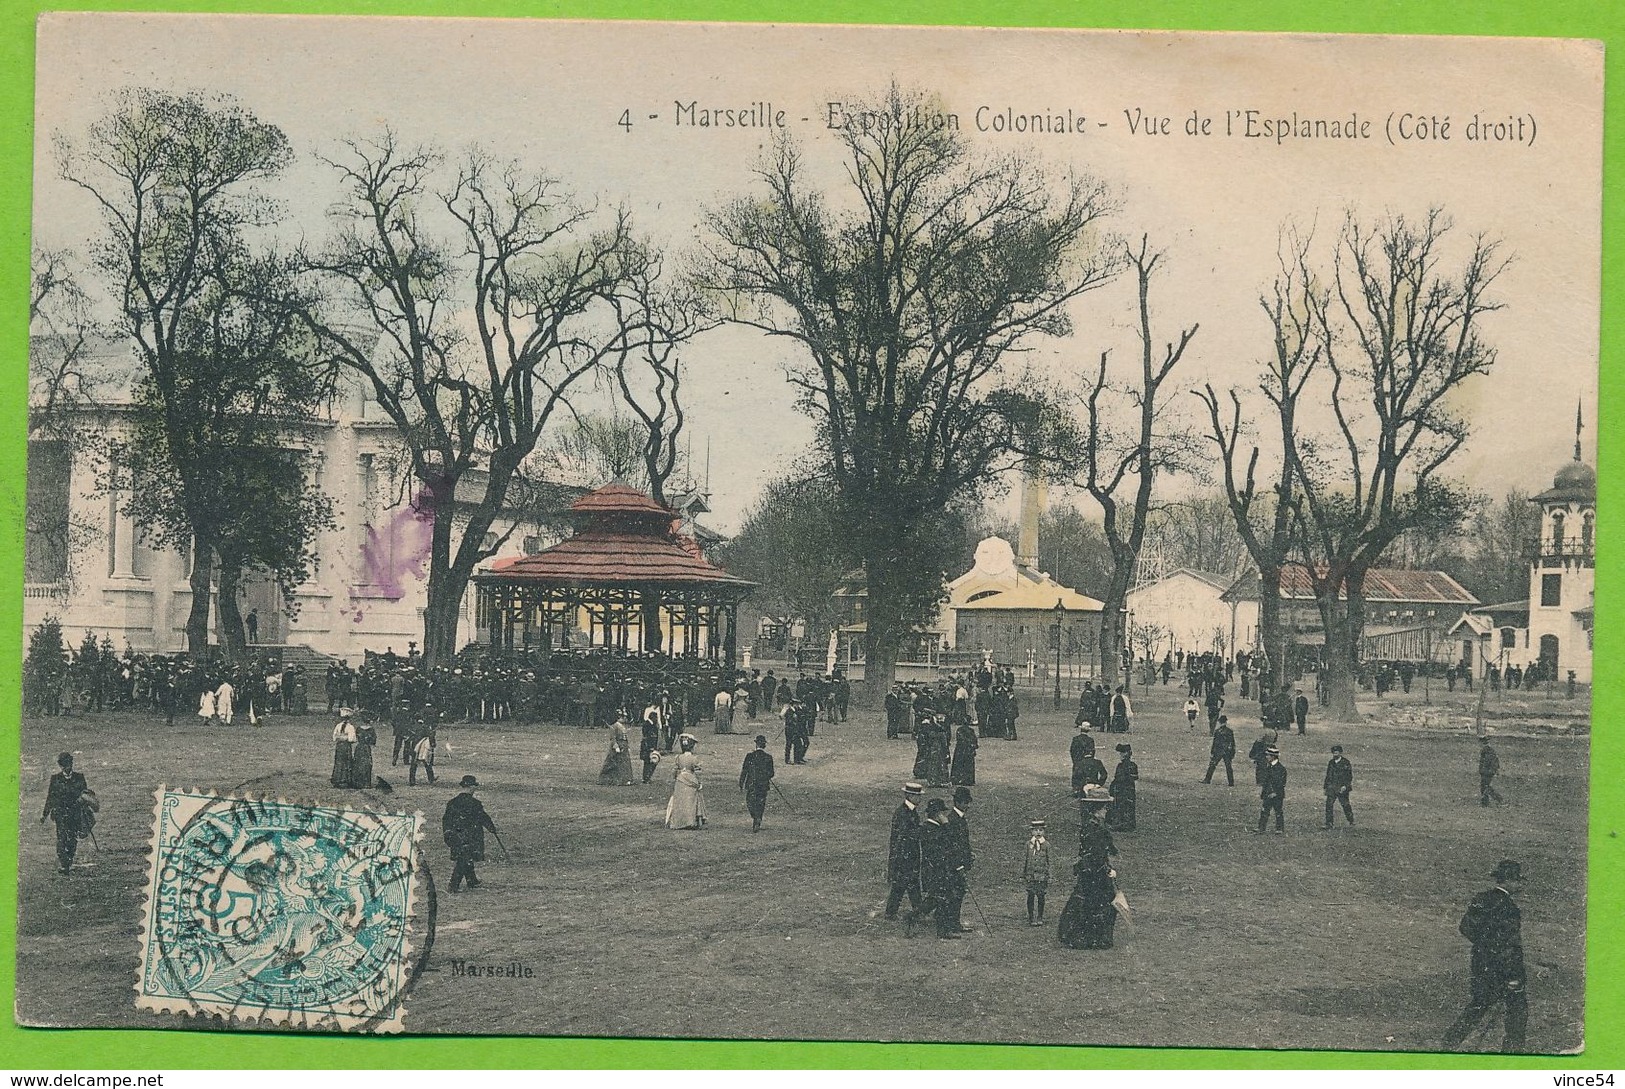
755, 777
65, 804
464, 825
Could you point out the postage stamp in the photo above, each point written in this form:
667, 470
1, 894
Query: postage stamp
283, 913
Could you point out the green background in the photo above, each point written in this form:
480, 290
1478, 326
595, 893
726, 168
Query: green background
1605, 983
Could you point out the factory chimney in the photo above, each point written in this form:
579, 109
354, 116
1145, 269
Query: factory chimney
1033, 495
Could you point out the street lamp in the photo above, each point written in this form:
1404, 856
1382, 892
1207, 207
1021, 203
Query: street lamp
1060, 613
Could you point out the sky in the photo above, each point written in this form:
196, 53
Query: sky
552, 94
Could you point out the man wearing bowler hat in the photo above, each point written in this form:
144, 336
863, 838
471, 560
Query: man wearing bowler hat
903, 857
1494, 925
464, 825
1339, 781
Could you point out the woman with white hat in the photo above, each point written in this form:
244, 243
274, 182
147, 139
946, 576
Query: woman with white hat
343, 749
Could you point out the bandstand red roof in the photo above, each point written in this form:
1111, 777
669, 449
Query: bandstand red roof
626, 539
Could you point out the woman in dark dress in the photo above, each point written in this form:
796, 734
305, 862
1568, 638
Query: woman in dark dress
366, 736
963, 770
1089, 916
1121, 816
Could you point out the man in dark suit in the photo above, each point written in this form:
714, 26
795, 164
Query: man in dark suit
1223, 749
1272, 791
942, 890
1339, 781
798, 727
903, 855
649, 744
464, 826
65, 804
1300, 709
1259, 754
755, 777
1494, 925
959, 858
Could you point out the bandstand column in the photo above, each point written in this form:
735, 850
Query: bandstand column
730, 615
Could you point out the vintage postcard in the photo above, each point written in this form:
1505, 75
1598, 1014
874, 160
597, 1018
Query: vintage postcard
810, 532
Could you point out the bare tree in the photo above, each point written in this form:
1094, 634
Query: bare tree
1197, 532
1400, 336
552, 289
1119, 470
907, 295
62, 379
63, 331
1264, 519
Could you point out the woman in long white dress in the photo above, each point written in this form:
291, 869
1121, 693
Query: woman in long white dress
686, 809
205, 706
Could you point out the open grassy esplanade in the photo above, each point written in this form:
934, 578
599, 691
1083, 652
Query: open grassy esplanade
601, 922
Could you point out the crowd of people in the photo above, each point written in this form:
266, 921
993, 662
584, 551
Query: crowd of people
660, 703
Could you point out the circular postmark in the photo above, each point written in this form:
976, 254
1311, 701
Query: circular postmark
286, 912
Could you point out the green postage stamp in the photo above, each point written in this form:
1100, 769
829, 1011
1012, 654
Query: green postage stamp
261, 910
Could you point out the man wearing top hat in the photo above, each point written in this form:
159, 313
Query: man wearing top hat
464, 825
755, 777
903, 857
1272, 790
1494, 925
1339, 781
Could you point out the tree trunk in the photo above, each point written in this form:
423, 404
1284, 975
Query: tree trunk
441, 615
882, 637
1271, 630
232, 640
1342, 652
1112, 636
440, 611
197, 619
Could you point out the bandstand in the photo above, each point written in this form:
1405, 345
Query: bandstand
625, 581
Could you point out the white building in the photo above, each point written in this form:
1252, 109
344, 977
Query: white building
1553, 625
1188, 607
1562, 575
90, 567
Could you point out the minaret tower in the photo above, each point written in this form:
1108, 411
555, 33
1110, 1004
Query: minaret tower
1562, 572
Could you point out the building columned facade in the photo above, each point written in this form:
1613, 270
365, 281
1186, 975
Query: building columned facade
91, 567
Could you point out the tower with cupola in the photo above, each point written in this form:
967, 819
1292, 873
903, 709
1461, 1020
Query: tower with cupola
1562, 572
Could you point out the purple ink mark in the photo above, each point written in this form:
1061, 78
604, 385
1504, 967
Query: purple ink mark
398, 550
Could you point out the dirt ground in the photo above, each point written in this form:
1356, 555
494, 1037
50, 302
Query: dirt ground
1343, 939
